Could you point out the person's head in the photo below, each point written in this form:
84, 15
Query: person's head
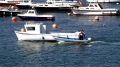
81, 30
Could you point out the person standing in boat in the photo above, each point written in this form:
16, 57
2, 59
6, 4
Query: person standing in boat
81, 35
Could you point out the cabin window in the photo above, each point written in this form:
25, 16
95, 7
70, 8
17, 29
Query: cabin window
91, 5
40, 5
87, 8
30, 28
95, 5
50, 3
46, 5
31, 12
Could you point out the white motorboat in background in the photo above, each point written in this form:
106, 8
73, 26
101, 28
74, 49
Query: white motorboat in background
9, 2
25, 4
32, 15
103, 1
95, 9
9, 11
53, 5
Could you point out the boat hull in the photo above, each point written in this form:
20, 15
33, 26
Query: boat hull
53, 8
7, 4
76, 40
24, 6
96, 12
103, 0
43, 37
28, 18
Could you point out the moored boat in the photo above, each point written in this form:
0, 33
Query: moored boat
103, 1
9, 11
32, 15
53, 5
95, 9
9, 2
25, 5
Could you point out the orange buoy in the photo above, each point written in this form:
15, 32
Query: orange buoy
23, 30
97, 18
54, 25
14, 18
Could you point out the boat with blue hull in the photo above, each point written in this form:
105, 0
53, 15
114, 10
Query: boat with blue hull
32, 15
68, 39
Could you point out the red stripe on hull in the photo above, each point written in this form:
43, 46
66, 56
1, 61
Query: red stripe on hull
7, 4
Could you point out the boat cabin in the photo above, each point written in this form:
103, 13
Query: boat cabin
91, 6
31, 12
35, 28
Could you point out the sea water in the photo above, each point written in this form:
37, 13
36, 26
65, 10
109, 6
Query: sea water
103, 51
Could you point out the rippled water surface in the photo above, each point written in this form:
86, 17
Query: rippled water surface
103, 51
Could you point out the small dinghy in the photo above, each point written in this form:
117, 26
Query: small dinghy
67, 39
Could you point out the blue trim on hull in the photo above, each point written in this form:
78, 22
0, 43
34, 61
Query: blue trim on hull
38, 18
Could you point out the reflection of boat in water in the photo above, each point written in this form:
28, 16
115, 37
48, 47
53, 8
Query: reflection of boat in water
95, 9
103, 0
36, 45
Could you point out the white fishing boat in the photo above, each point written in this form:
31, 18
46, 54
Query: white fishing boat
103, 1
32, 15
95, 9
38, 31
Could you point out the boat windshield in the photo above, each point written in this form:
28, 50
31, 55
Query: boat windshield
100, 6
